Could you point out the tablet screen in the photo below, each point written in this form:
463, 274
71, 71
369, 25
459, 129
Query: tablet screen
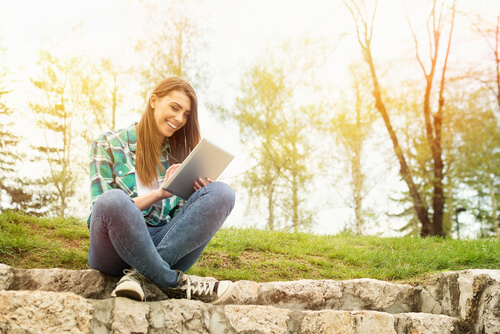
206, 160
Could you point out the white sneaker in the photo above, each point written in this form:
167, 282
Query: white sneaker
191, 287
129, 286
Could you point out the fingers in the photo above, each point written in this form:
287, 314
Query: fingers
171, 170
200, 183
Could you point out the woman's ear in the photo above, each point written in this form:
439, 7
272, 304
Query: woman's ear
152, 100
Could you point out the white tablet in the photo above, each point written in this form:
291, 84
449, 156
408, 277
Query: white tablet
206, 160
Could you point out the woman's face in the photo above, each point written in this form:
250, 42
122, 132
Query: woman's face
170, 112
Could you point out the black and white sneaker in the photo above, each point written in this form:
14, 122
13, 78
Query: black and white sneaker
130, 285
192, 287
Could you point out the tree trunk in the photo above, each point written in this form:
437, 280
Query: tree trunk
434, 140
115, 102
497, 59
418, 205
295, 203
358, 205
494, 208
270, 207
364, 29
438, 199
357, 176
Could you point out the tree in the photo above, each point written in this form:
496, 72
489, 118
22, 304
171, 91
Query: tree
9, 141
259, 115
490, 33
59, 113
433, 121
351, 127
476, 155
275, 132
102, 88
490, 78
297, 148
174, 45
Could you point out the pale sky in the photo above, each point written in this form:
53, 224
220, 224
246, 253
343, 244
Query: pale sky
239, 31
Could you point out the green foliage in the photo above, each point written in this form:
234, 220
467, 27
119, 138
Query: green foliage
275, 129
28, 241
259, 116
10, 157
475, 156
71, 95
71, 91
351, 126
174, 45
57, 116
430, 214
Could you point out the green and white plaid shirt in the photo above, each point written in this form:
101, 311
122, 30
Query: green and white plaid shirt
112, 166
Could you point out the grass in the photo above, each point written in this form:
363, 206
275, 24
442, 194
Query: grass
258, 255
34, 242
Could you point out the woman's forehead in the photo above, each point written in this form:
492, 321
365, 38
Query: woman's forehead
179, 97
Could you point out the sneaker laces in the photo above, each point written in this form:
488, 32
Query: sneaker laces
131, 275
197, 288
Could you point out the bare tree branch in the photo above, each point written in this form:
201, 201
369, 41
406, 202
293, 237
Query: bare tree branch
405, 171
415, 39
497, 58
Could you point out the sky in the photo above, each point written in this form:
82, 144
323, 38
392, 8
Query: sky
239, 32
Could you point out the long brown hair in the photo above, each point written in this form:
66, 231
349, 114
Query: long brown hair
181, 142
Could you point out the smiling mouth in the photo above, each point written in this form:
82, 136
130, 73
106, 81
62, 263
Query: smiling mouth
172, 125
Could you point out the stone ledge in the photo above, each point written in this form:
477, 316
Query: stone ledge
64, 312
35, 300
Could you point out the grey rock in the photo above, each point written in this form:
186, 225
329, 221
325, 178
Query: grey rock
301, 295
257, 319
422, 323
86, 283
130, 316
488, 311
353, 322
370, 294
43, 312
73, 301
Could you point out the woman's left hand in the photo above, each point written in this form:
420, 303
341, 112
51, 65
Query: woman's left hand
200, 183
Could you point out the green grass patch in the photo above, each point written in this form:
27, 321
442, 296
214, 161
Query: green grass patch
258, 255
276, 256
34, 242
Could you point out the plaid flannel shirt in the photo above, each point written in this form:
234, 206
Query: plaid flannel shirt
112, 166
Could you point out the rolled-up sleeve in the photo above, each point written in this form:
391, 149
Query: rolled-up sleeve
101, 169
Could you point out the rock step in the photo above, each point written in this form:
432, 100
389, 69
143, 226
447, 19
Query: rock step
469, 299
63, 312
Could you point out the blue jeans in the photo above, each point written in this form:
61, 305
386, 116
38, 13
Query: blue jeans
120, 237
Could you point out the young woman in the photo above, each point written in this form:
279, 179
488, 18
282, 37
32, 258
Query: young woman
136, 227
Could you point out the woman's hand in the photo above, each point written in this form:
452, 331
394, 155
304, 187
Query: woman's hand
168, 174
145, 201
200, 183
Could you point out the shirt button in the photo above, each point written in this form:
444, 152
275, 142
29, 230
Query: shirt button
120, 172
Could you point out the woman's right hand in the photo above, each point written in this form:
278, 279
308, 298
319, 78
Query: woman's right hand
168, 174
170, 171
145, 201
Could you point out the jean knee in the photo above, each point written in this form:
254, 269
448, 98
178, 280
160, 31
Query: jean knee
113, 198
224, 193
113, 203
